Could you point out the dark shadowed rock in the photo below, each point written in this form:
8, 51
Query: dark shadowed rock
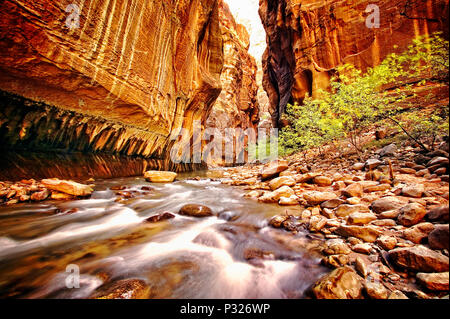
439, 237
439, 214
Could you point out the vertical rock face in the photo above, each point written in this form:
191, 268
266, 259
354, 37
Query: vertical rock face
131, 73
237, 105
307, 39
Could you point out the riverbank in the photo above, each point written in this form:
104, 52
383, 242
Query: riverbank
383, 217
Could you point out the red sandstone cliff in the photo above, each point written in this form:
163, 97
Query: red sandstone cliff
237, 105
307, 39
132, 73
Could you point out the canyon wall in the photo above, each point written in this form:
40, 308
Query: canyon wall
237, 105
307, 39
121, 81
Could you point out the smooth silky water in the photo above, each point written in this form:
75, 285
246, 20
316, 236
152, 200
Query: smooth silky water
108, 238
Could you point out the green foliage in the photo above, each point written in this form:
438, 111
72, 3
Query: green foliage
355, 100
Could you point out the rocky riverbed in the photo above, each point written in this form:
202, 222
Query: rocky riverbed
384, 220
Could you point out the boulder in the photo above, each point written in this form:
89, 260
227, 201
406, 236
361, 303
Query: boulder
346, 209
273, 168
288, 201
68, 187
195, 210
336, 247
439, 237
281, 181
365, 233
362, 248
388, 150
411, 214
397, 294
341, 283
160, 176
322, 181
332, 203
385, 204
372, 163
386, 242
419, 258
316, 223
273, 197
160, 217
353, 190
40, 196
376, 290
439, 214
434, 281
358, 218
277, 221
438, 160
415, 190
315, 198
418, 232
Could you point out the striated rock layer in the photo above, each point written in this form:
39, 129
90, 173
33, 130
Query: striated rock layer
307, 39
133, 73
237, 105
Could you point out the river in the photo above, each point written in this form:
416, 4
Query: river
107, 238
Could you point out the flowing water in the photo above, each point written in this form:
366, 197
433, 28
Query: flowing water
108, 239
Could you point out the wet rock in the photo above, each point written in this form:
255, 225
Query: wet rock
277, 221
160, 217
385, 204
288, 201
40, 196
341, 283
252, 194
281, 181
411, 214
361, 218
315, 198
419, 258
195, 210
418, 232
273, 168
124, 289
316, 223
322, 181
386, 242
336, 247
273, 197
439, 214
61, 196
353, 190
68, 187
365, 233
335, 261
434, 281
256, 253
376, 290
346, 209
160, 176
439, 237
413, 190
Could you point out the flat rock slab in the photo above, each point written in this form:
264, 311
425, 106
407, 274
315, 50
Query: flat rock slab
68, 187
434, 281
